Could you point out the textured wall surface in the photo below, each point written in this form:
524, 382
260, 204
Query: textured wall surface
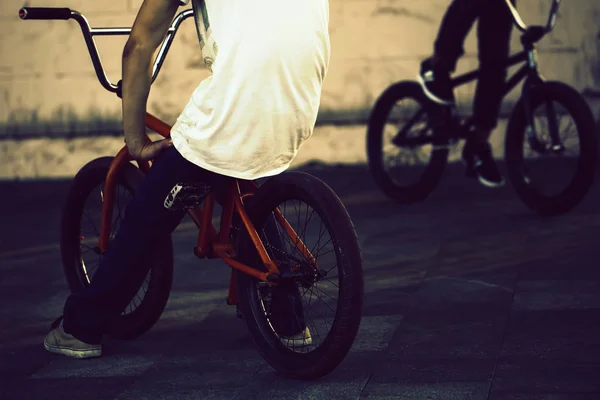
48, 85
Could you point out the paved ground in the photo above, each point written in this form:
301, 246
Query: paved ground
468, 296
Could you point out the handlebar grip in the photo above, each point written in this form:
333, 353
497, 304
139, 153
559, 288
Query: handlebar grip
45, 13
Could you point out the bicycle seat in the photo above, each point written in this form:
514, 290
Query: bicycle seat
186, 195
533, 34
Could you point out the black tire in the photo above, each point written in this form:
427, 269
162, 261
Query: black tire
129, 325
336, 345
432, 174
583, 178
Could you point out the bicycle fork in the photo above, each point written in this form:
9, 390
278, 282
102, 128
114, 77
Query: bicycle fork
534, 82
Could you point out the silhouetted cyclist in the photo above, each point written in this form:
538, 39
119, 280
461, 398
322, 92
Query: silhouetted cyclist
493, 36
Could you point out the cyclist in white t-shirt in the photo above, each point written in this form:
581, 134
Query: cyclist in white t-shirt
247, 120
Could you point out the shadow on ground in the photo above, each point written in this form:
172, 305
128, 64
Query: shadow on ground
468, 295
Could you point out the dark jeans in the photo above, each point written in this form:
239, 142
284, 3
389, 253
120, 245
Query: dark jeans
89, 312
493, 36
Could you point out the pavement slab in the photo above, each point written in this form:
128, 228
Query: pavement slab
468, 295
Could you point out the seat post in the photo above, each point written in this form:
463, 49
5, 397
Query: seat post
206, 232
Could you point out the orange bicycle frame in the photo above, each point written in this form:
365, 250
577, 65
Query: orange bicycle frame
210, 244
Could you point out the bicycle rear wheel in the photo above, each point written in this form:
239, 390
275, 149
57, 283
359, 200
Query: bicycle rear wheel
305, 326
402, 159
555, 107
80, 231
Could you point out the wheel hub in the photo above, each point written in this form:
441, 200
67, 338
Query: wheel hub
304, 273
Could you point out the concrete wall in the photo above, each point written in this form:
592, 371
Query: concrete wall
48, 86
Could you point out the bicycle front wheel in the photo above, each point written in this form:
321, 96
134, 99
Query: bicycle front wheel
552, 159
305, 325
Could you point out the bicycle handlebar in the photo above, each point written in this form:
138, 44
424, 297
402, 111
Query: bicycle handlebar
44, 13
523, 27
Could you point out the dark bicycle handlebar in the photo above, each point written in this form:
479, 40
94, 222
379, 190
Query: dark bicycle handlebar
44, 13
523, 27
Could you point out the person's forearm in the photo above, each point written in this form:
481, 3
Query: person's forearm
136, 87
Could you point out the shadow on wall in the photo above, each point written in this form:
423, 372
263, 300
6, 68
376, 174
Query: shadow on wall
591, 54
25, 124
595, 62
64, 122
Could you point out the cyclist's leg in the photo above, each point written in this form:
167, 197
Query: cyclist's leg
287, 311
493, 35
88, 313
448, 48
286, 308
456, 24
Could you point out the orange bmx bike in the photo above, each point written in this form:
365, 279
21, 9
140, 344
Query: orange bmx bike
290, 243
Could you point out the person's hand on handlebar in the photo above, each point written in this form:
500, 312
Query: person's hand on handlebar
147, 149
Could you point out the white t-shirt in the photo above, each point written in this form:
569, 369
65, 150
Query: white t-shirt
268, 60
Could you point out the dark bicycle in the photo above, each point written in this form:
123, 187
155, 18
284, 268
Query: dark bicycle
422, 127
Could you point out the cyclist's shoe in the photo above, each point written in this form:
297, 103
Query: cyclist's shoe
298, 340
480, 163
59, 342
436, 83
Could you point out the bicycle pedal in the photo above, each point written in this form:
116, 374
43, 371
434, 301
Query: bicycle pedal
185, 196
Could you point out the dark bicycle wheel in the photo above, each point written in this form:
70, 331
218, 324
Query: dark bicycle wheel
305, 325
399, 133
80, 231
543, 183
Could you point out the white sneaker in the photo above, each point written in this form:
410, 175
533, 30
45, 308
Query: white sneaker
301, 339
59, 342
